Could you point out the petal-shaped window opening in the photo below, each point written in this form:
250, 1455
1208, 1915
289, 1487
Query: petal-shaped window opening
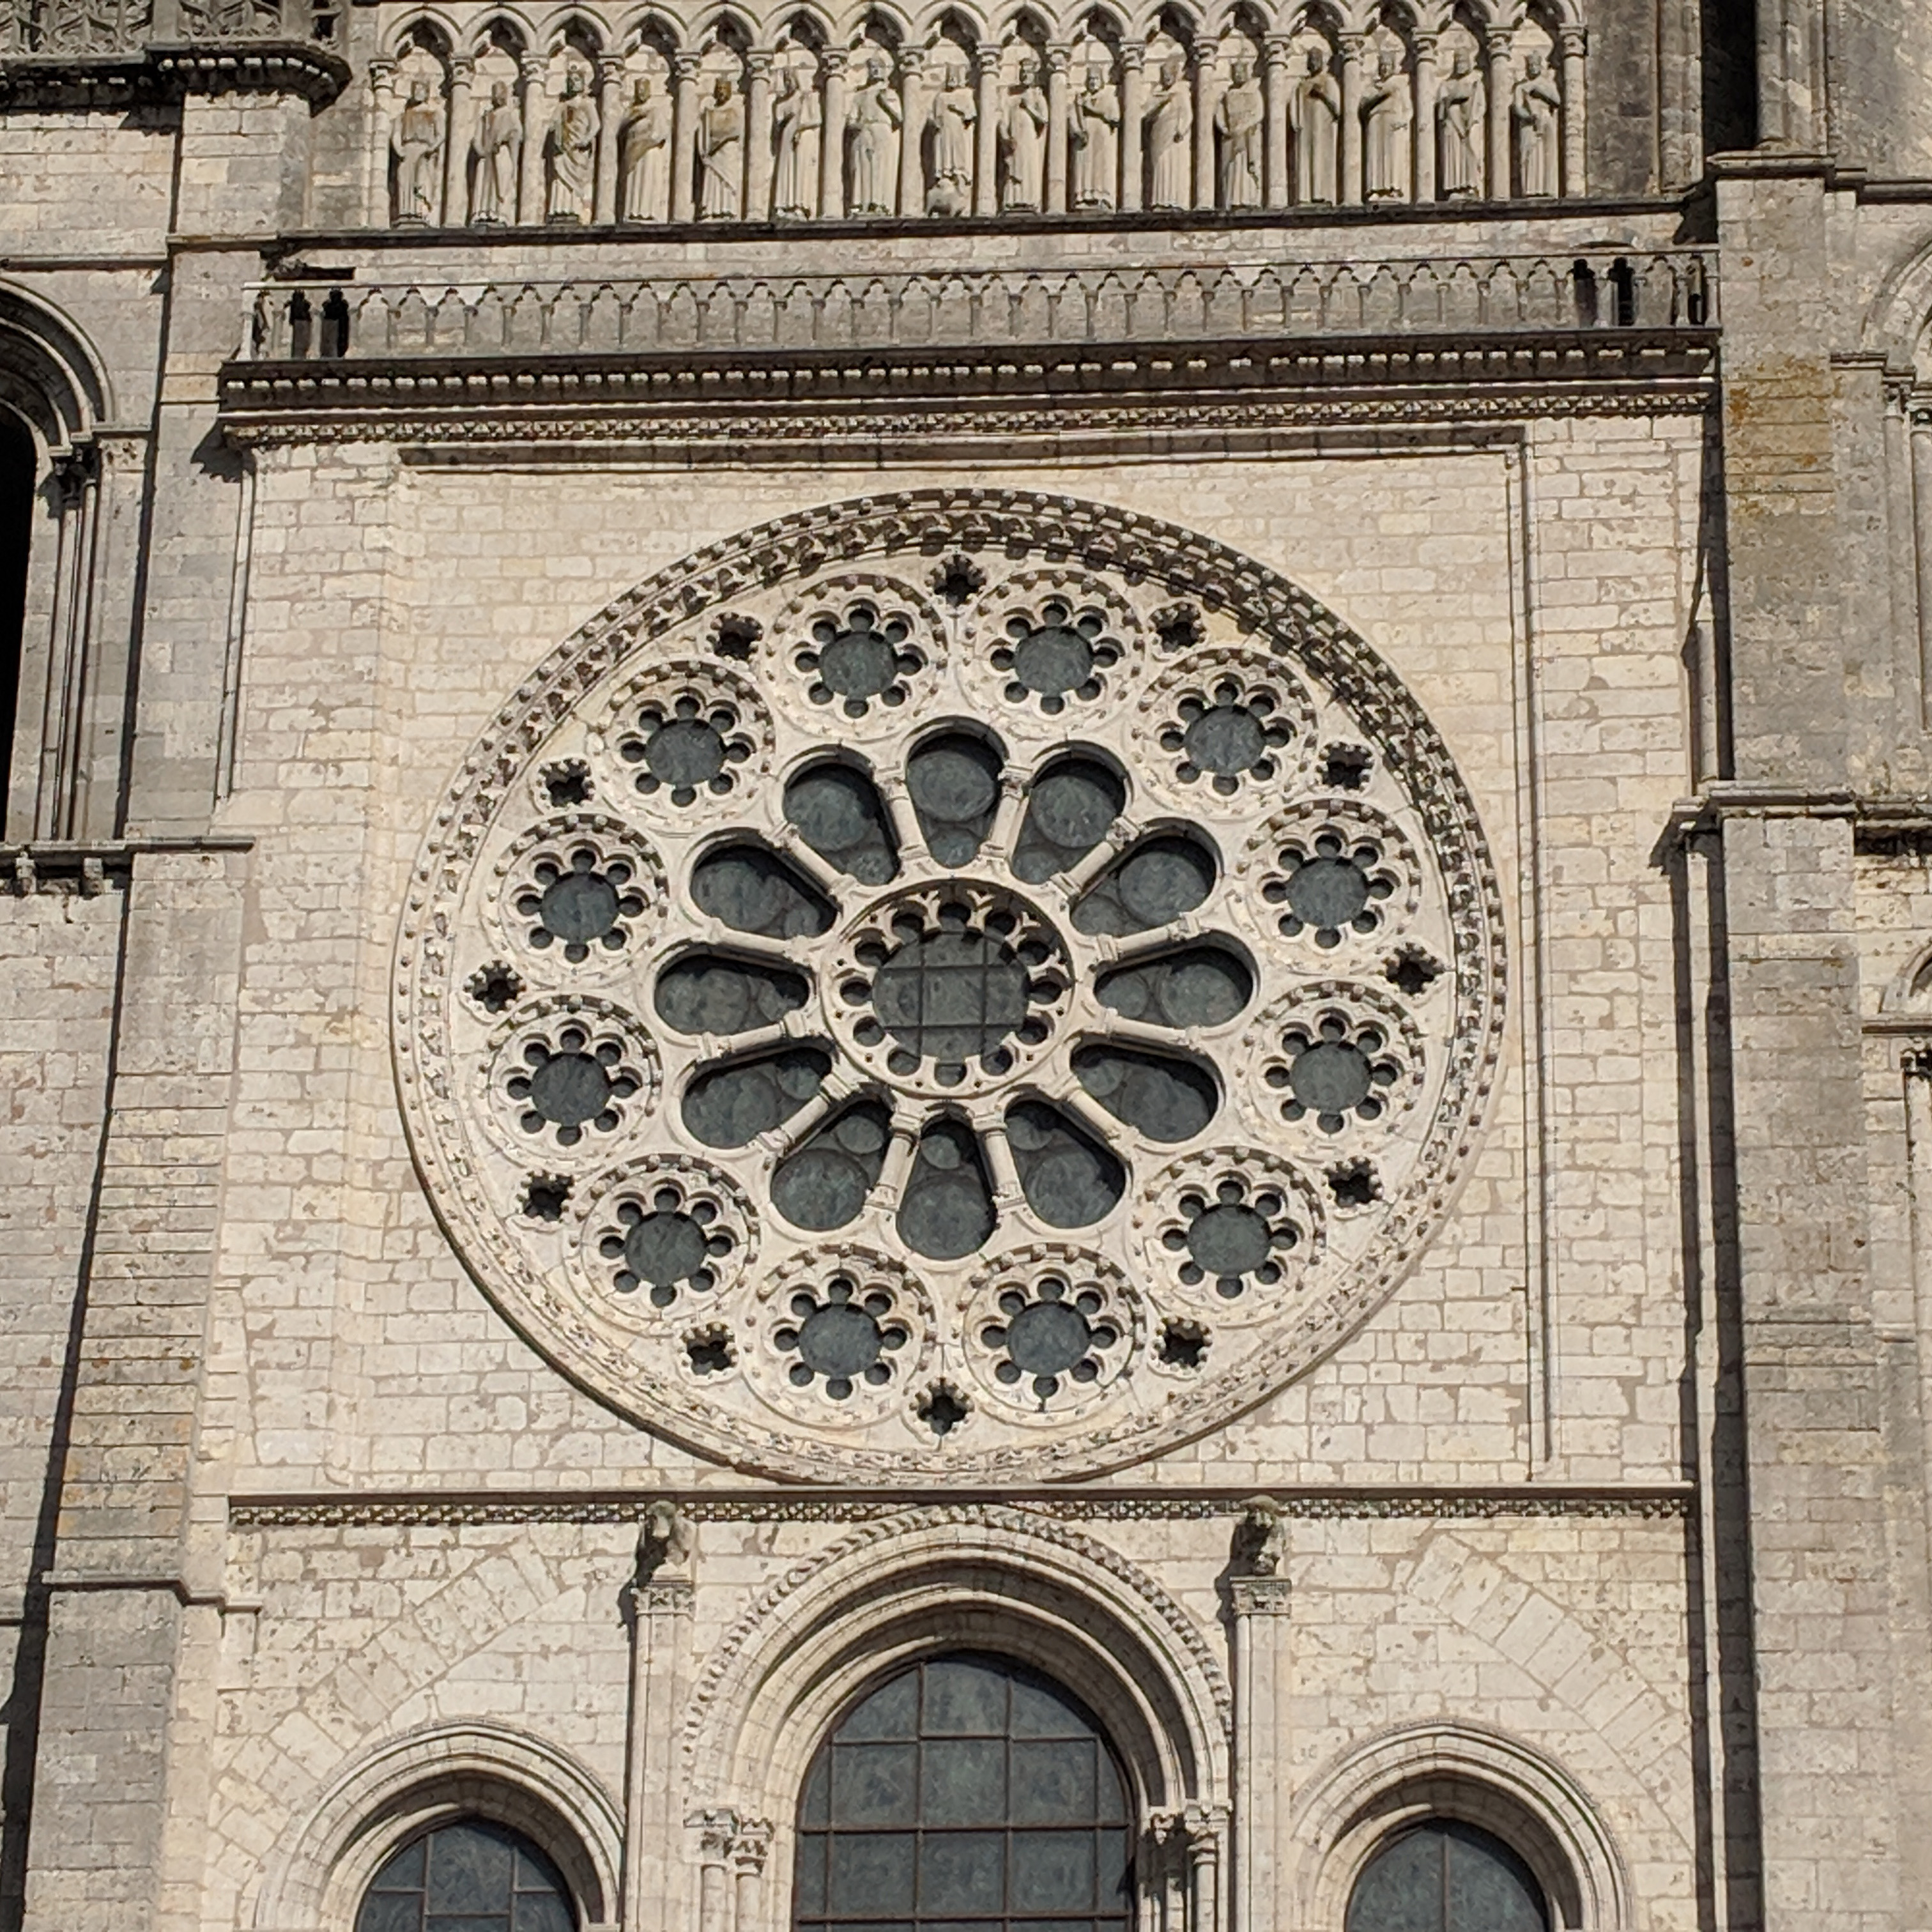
729, 1105
1167, 1099
715, 993
947, 1210
1068, 810
823, 1183
1153, 884
751, 889
953, 781
1069, 1179
840, 815
1196, 986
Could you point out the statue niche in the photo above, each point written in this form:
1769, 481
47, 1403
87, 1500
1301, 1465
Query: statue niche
644, 154
495, 150
873, 121
1169, 138
1314, 119
1536, 111
798, 119
1239, 118
1095, 135
571, 152
950, 122
416, 153
1023, 143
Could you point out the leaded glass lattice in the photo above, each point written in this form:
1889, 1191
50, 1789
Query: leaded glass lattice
1446, 1877
966, 1793
468, 1876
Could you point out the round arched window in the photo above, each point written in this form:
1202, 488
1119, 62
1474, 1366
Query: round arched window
966, 1791
468, 1876
1443, 1876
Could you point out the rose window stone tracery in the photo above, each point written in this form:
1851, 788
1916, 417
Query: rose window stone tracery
1076, 1047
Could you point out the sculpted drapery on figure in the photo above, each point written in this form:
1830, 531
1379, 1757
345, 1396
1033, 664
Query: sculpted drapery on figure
415, 146
644, 154
1315, 115
493, 153
949, 124
797, 120
1239, 118
1095, 135
1388, 113
721, 153
572, 152
1022, 142
1170, 140
1537, 110
1458, 121
874, 116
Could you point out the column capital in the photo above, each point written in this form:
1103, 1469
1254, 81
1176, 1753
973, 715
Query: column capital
1572, 40
1276, 50
1426, 41
1499, 42
687, 65
1915, 1062
1260, 1596
911, 59
835, 60
716, 1832
382, 74
610, 69
534, 68
1059, 56
1133, 55
987, 57
758, 63
462, 68
1205, 1826
1350, 46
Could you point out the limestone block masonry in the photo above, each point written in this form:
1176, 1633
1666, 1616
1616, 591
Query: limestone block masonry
965, 970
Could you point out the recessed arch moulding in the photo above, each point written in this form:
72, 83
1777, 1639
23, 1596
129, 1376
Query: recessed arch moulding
958, 986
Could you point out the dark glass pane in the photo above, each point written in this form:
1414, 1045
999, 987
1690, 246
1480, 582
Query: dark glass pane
1114, 1876
752, 890
1168, 1099
839, 815
1401, 1888
873, 1784
947, 1208
470, 1869
963, 1696
403, 1870
808, 1879
391, 1912
962, 1871
1200, 986
1040, 1711
467, 1922
1053, 1871
824, 1183
730, 1105
1071, 806
1110, 1801
1152, 884
1489, 1888
542, 1912
963, 1781
707, 992
1053, 1782
872, 1873
1069, 1179
891, 1711
953, 782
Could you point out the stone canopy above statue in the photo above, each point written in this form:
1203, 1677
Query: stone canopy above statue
720, 116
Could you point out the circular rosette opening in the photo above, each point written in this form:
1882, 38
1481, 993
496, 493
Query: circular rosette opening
951, 988
842, 1337
1050, 642
1338, 1061
858, 649
1332, 877
663, 1235
685, 734
572, 1077
583, 891
1233, 1230
1050, 1330
1226, 725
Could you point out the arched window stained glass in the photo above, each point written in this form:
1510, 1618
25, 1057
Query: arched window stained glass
1444, 1877
468, 1876
966, 1793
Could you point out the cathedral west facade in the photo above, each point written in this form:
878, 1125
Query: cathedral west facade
968, 968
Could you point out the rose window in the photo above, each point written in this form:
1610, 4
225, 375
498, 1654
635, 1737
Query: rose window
961, 1097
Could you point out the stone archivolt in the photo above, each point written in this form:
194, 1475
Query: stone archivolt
789, 115
1065, 1114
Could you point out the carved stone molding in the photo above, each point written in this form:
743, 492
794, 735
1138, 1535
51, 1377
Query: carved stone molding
518, 1105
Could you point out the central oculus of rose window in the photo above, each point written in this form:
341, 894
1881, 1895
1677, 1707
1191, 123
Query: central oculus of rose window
975, 1006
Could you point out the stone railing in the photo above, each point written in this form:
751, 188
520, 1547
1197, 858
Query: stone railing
61, 29
1591, 290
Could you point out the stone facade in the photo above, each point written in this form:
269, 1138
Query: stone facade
1358, 576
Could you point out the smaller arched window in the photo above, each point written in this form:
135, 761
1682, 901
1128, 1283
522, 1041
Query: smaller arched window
468, 1876
1443, 1876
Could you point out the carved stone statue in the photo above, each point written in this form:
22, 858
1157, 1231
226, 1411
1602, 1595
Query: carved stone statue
1023, 142
1536, 109
415, 142
1459, 122
1239, 117
493, 152
721, 153
1388, 113
873, 117
1264, 1532
644, 155
572, 153
796, 120
1170, 141
949, 124
1095, 134
664, 1545
1314, 114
